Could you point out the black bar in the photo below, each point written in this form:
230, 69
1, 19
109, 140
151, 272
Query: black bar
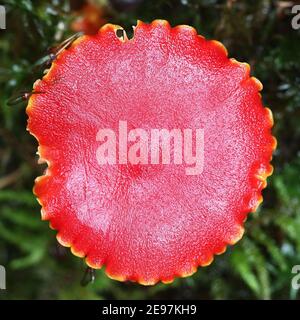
136, 309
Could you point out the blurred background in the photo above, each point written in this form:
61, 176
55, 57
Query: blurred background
259, 32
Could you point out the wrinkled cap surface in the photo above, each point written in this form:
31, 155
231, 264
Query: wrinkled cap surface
149, 222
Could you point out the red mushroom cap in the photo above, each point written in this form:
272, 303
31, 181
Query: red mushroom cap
149, 222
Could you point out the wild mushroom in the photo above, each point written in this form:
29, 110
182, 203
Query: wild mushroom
149, 222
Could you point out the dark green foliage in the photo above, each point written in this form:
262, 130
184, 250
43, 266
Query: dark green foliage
259, 266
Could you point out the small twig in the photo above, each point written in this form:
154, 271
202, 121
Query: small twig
10, 179
88, 277
54, 52
23, 96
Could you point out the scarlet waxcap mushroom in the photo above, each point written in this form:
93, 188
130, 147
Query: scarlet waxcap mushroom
149, 222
